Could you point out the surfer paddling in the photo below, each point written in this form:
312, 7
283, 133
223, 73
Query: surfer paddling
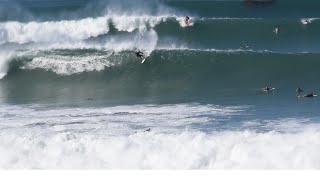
267, 89
309, 95
299, 90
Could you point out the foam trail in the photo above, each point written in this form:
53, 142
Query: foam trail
60, 31
306, 21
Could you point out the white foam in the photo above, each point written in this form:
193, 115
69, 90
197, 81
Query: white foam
144, 40
149, 150
70, 31
4, 60
288, 125
103, 138
69, 64
60, 31
165, 117
306, 21
66, 65
130, 23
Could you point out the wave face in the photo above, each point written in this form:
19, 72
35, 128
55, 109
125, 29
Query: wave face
73, 90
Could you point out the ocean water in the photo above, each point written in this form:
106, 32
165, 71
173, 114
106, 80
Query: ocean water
73, 95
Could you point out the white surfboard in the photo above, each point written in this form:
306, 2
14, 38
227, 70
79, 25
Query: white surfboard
270, 90
143, 60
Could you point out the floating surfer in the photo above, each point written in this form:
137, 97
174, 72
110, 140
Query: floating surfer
309, 95
146, 130
299, 90
276, 30
267, 89
259, 2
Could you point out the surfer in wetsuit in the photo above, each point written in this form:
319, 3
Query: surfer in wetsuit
139, 54
299, 90
267, 89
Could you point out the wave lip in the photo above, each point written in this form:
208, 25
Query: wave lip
130, 23
60, 31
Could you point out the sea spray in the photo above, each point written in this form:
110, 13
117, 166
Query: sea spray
62, 31
4, 60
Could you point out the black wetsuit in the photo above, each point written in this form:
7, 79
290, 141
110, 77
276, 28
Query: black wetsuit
309, 95
139, 54
186, 20
267, 89
299, 90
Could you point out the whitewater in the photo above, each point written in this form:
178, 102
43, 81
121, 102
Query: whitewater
73, 94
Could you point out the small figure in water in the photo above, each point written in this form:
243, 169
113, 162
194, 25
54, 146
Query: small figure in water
186, 20
299, 90
306, 21
139, 54
245, 46
276, 30
268, 89
148, 130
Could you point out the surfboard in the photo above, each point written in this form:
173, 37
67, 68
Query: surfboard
271, 89
307, 97
143, 60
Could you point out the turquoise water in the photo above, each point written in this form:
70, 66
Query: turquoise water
70, 80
